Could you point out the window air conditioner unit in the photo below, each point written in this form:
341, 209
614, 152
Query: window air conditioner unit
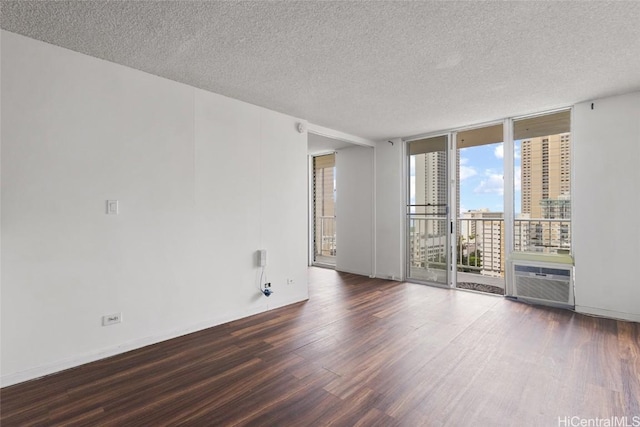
544, 281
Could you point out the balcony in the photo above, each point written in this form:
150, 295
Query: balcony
325, 245
480, 247
542, 235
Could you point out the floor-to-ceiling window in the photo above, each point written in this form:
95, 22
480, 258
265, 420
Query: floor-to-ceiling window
324, 204
479, 199
469, 245
428, 211
542, 171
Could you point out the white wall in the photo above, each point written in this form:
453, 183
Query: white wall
354, 210
606, 202
203, 182
390, 209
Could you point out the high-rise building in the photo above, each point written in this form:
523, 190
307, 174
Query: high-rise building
546, 175
431, 187
546, 191
428, 239
483, 231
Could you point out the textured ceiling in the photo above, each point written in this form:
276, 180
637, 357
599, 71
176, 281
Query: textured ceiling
373, 69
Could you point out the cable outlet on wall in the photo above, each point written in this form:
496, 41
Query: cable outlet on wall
262, 257
111, 319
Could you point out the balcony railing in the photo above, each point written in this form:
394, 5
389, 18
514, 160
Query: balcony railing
326, 236
480, 244
542, 235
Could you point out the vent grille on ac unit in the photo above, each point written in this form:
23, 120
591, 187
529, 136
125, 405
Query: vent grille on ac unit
547, 285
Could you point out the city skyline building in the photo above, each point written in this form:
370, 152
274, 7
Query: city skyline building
431, 188
483, 230
428, 237
545, 193
546, 176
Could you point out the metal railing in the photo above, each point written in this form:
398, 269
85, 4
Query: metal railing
428, 242
480, 242
326, 235
480, 246
542, 235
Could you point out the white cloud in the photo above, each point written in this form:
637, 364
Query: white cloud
467, 172
493, 183
516, 152
517, 178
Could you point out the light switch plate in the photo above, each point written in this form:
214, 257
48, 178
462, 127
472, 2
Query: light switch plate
112, 207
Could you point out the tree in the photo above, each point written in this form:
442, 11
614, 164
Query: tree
475, 258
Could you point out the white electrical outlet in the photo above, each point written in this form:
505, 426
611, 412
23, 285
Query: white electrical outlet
111, 319
290, 281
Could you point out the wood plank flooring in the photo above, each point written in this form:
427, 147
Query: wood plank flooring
360, 352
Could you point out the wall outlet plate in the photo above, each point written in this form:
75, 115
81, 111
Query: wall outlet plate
262, 257
111, 319
112, 207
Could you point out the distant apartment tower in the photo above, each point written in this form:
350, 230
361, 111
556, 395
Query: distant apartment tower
546, 192
483, 230
431, 188
429, 239
546, 176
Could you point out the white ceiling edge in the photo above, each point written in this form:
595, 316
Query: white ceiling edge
319, 145
340, 136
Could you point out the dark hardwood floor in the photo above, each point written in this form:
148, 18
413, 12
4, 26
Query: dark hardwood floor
360, 352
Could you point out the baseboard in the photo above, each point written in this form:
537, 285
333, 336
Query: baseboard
285, 303
608, 313
359, 273
388, 277
72, 362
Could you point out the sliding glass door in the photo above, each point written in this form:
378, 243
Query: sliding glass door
463, 222
427, 210
324, 205
462, 246
479, 199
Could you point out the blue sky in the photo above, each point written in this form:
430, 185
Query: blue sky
481, 177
